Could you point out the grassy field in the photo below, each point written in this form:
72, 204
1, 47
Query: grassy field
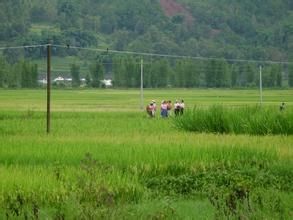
105, 159
129, 100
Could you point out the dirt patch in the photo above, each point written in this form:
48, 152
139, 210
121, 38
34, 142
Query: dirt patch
172, 8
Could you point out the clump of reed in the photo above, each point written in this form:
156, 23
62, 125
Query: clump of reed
253, 120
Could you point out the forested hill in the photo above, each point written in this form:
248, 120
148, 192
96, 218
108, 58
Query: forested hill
251, 29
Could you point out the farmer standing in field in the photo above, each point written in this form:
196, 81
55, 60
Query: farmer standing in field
282, 106
169, 107
177, 108
151, 109
164, 109
182, 106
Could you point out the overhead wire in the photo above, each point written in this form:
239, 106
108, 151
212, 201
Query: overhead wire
170, 55
23, 47
147, 54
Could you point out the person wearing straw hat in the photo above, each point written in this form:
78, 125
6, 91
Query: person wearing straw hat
150, 109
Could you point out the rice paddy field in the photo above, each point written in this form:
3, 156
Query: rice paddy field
106, 159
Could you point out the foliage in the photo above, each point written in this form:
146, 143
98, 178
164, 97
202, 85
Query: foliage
22, 74
97, 73
75, 75
291, 75
238, 120
201, 28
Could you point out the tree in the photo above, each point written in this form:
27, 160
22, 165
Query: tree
28, 74
132, 72
221, 74
250, 75
242, 75
154, 74
272, 76
187, 73
234, 75
69, 14
14, 76
88, 80
119, 70
34, 75
97, 72
211, 71
15, 13
75, 74
12, 56
278, 75
290, 74
146, 76
3, 67
160, 73
108, 23
267, 77
122, 39
179, 76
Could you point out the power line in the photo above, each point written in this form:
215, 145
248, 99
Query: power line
148, 54
23, 47
171, 56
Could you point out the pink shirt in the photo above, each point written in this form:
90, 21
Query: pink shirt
164, 106
151, 108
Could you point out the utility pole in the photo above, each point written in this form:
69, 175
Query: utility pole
260, 84
48, 87
141, 84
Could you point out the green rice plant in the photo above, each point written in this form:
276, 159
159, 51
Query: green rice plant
135, 164
246, 120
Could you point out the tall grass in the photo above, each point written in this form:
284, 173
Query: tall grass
238, 120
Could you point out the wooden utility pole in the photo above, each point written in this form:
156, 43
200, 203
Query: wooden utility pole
260, 84
141, 84
48, 87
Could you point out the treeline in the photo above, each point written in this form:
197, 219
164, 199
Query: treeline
162, 73
22, 74
25, 74
125, 72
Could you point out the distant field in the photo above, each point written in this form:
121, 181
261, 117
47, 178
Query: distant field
129, 100
105, 159
42, 27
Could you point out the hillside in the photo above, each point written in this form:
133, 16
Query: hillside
229, 29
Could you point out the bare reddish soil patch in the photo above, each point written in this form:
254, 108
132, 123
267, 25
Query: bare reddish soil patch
172, 8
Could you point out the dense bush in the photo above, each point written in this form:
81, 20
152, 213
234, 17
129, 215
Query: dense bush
239, 120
